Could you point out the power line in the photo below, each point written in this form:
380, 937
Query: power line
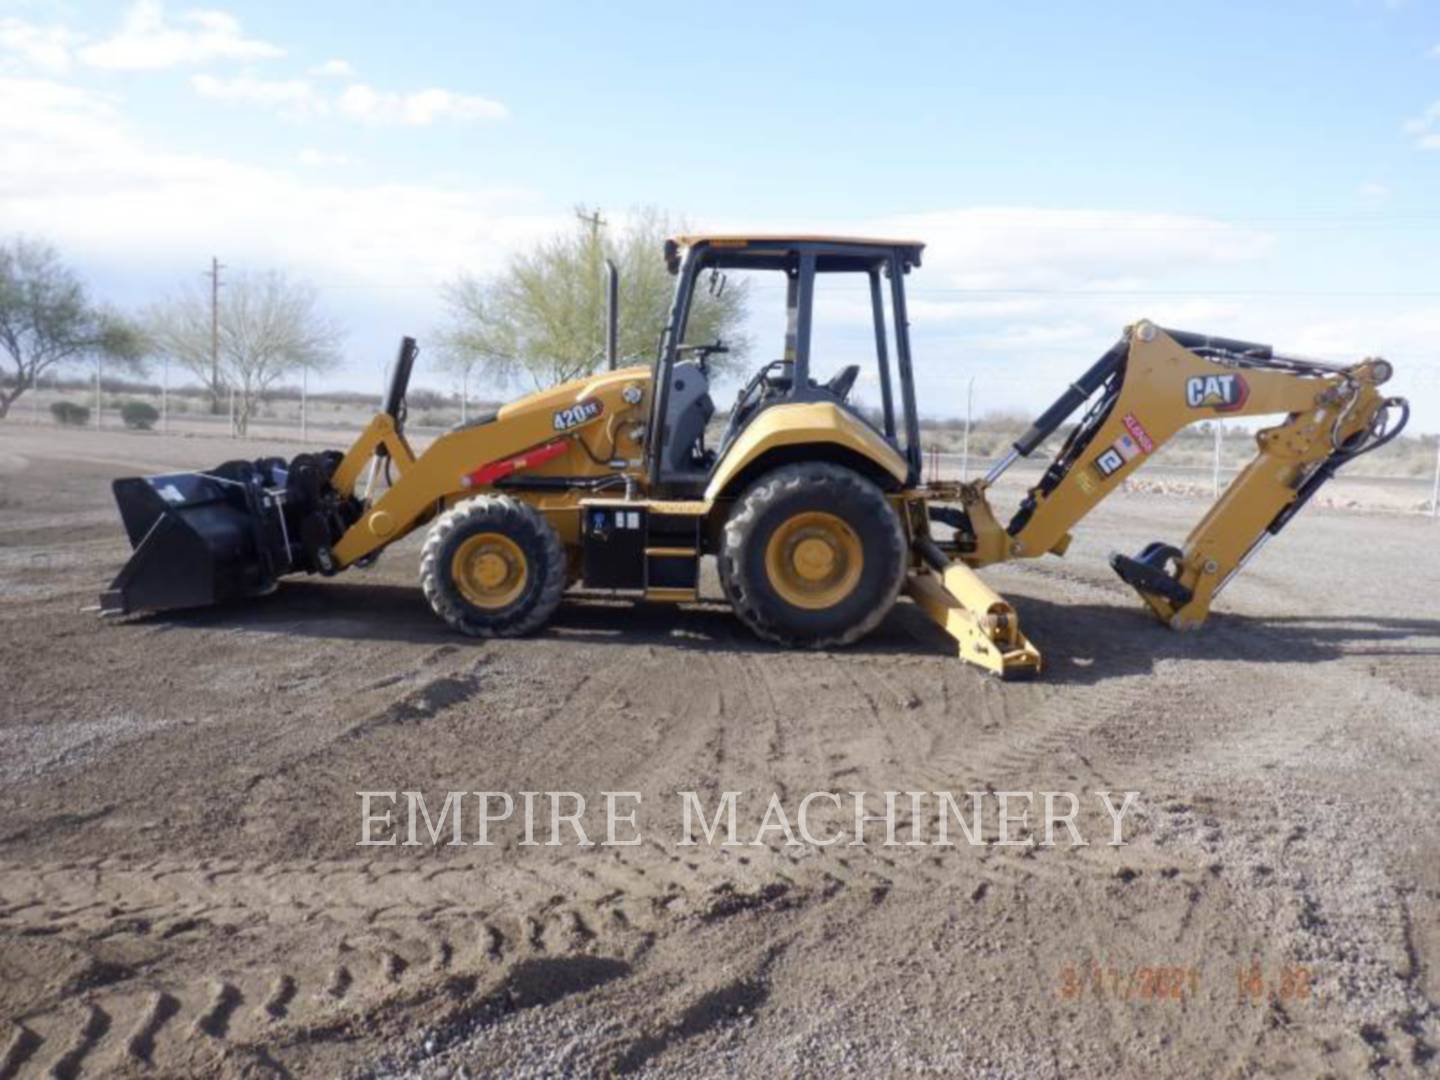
1182, 293
1169, 223
942, 290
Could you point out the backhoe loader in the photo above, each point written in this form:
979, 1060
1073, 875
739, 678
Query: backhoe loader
814, 508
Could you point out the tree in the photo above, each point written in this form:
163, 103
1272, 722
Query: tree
543, 317
48, 322
270, 327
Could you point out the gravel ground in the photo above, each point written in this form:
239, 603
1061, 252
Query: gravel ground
181, 891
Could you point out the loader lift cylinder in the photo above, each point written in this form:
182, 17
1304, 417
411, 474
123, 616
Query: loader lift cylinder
400, 379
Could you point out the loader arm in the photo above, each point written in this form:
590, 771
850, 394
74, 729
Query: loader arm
1159, 382
570, 431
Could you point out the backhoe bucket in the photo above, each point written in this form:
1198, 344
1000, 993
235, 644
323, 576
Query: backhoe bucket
204, 538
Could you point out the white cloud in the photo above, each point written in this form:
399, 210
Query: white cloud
40, 113
1373, 189
333, 69
1023, 298
1058, 284
74, 172
44, 47
317, 159
1024, 249
422, 107
1425, 127
147, 41
294, 98
299, 99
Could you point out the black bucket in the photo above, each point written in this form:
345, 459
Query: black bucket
204, 538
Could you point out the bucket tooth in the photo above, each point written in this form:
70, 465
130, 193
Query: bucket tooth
981, 621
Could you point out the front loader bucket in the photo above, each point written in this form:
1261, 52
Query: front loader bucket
205, 538
199, 539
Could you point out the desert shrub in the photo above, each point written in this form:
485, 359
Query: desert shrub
139, 415
70, 414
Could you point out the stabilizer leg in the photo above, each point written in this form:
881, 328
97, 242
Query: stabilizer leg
980, 620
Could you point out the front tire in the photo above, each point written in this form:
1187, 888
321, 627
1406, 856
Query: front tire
813, 555
492, 566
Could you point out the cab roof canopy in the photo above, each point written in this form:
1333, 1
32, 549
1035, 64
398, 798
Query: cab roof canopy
760, 250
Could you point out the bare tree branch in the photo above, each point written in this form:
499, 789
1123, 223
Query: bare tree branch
270, 328
47, 321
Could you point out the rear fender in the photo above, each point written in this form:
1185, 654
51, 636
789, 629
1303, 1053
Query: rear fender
785, 434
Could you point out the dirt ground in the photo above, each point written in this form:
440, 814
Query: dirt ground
181, 891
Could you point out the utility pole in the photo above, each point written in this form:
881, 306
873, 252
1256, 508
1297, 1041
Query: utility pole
969, 414
1435, 494
214, 275
1219, 434
165, 397
594, 220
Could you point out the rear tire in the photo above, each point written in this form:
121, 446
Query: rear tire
493, 567
813, 555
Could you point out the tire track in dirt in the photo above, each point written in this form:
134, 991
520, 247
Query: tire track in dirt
337, 949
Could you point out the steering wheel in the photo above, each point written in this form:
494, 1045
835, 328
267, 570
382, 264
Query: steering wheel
843, 381
751, 395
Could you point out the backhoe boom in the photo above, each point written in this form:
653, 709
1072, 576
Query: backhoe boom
1148, 387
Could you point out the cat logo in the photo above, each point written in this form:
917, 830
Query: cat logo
1223, 393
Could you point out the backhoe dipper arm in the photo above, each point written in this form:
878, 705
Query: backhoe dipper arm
1155, 382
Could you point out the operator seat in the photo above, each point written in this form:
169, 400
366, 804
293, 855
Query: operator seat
842, 382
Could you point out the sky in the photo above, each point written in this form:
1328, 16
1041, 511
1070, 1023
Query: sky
1262, 171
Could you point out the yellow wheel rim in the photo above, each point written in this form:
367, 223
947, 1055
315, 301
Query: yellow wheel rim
814, 560
490, 570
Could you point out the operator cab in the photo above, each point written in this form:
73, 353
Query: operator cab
840, 361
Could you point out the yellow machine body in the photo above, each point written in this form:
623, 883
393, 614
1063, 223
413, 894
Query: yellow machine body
591, 417
596, 459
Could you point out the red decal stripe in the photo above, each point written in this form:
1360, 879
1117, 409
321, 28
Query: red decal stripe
1138, 432
496, 470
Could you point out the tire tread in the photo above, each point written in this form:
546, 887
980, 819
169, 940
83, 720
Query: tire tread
739, 532
504, 514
